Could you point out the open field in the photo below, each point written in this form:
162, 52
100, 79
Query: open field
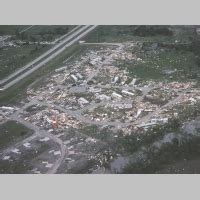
36, 32
16, 93
30, 157
171, 65
25, 44
47, 33
13, 58
11, 29
12, 132
128, 33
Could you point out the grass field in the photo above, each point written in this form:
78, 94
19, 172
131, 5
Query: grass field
11, 29
127, 33
13, 58
44, 32
25, 162
11, 132
16, 93
153, 66
36, 30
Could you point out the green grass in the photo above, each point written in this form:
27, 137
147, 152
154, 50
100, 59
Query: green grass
11, 132
37, 29
39, 32
13, 58
11, 29
154, 65
45, 32
17, 92
126, 33
25, 162
169, 153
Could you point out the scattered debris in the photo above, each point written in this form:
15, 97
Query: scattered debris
27, 145
45, 139
16, 151
6, 157
56, 153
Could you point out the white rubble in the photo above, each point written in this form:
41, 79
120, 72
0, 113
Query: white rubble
45, 139
6, 157
57, 153
27, 145
16, 151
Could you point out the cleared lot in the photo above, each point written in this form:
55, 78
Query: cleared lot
12, 132
35, 156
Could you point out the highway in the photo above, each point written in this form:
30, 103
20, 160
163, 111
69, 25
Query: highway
27, 66
70, 39
79, 114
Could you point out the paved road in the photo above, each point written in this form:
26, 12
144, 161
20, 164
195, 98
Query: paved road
146, 118
28, 65
46, 57
78, 115
44, 133
108, 43
38, 132
70, 32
